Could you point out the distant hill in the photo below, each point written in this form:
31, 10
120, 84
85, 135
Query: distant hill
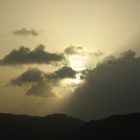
63, 127
22, 127
116, 127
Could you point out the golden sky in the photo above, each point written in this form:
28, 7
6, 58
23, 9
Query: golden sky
99, 27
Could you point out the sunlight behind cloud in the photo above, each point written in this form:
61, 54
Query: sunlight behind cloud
69, 85
76, 80
77, 62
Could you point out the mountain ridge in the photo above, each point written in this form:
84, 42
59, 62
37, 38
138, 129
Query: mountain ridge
61, 127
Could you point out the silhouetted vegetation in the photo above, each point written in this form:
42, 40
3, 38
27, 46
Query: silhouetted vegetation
60, 126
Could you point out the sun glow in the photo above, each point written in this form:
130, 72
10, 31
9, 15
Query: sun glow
68, 85
76, 80
77, 62
73, 82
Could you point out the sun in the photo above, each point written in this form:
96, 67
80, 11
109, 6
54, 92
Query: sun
77, 62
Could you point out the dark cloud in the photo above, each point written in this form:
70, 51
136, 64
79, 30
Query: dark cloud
41, 83
73, 50
33, 75
64, 72
35, 80
25, 32
113, 87
26, 56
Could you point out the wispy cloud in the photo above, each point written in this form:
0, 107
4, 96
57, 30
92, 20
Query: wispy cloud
26, 32
78, 50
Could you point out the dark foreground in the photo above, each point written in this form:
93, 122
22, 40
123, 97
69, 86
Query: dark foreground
63, 127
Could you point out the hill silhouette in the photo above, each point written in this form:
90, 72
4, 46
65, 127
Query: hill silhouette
115, 127
63, 127
29, 127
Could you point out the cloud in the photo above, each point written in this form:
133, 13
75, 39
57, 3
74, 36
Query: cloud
41, 83
35, 80
33, 75
97, 53
41, 89
25, 32
64, 72
113, 87
26, 56
75, 50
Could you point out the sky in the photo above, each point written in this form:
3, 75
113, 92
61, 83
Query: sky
61, 55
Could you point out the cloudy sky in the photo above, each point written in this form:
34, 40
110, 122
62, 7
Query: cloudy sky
76, 57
